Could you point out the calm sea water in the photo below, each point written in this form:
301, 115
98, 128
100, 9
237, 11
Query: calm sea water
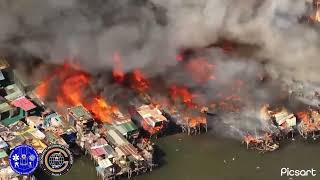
207, 157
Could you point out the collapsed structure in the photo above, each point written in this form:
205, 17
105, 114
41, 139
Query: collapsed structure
310, 123
282, 124
280, 119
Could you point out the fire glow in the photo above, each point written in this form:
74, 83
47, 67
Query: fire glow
72, 85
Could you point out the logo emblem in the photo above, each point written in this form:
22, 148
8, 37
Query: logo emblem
56, 160
24, 159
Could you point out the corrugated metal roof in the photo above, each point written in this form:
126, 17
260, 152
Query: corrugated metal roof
126, 127
147, 111
98, 151
101, 142
109, 150
104, 163
116, 137
23, 103
80, 112
128, 150
15, 119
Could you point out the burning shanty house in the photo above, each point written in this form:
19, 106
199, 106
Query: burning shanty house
310, 123
263, 143
81, 119
190, 123
123, 124
280, 118
149, 118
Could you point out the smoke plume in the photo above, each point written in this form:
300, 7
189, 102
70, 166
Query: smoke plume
148, 35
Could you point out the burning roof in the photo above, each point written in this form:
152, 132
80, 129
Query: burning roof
310, 123
280, 117
151, 115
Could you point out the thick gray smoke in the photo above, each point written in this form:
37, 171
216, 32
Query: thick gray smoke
291, 47
149, 34
89, 31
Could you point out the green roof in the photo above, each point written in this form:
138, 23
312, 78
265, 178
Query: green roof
80, 112
126, 127
15, 119
3, 154
53, 115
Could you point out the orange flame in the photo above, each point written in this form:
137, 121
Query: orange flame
118, 74
72, 89
201, 70
183, 93
42, 89
151, 130
196, 121
101, 109
139, 82
303, 116
73, 83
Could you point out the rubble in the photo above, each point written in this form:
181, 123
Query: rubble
284, 121
310, 123
265, 143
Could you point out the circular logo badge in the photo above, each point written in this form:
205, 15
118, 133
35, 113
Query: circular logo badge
56, 160
24, 159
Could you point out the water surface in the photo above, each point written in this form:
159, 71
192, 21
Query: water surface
207, 157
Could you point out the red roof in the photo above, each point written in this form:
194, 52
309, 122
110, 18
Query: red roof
23, 103
98, 151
